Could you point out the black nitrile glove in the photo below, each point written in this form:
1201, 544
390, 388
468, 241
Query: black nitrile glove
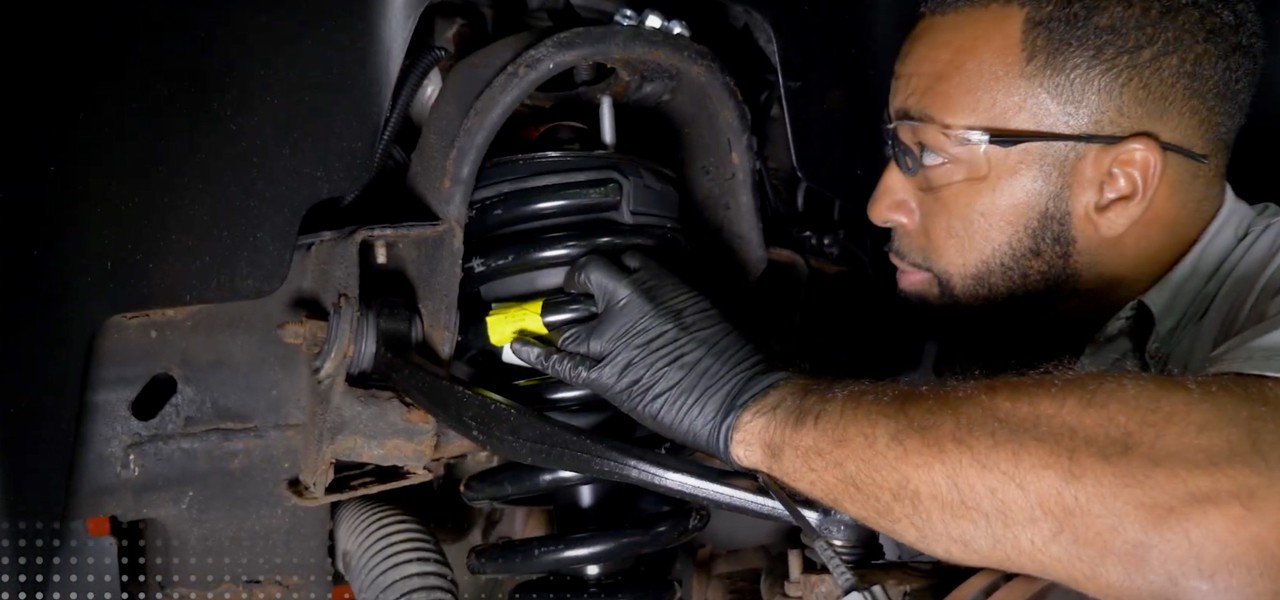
658, 350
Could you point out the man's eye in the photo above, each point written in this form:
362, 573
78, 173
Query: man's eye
929, 158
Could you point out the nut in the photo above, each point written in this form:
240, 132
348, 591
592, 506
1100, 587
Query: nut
652, 19
626, 17
677, 27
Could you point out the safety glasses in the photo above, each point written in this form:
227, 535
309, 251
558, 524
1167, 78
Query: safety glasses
941, 156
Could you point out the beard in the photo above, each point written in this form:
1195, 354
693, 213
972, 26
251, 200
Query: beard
1036, 265
998, 318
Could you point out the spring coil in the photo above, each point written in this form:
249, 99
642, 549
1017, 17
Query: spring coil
857, 555
531, 217
388, 554
861, 547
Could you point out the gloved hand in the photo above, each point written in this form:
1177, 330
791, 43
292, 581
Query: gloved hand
658, 350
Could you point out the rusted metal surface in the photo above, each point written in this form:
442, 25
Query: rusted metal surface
786, 578
376, 430
353, 433
360, 431
421, 254
815, 586
357, 432
437, 290
260, 401
308, 333
205, 473
451, 444
729, 575
740, 560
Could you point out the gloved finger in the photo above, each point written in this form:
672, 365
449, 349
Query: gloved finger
568, 367
532, 352
636, 261
598, 276
574, 338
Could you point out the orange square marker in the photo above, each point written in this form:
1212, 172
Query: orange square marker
98, 526
342, 592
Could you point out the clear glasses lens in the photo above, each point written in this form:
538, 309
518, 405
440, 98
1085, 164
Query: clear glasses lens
934, 156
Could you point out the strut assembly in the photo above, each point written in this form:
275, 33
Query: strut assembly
524, 199
531, 217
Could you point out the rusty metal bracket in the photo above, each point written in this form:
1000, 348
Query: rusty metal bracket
250, 424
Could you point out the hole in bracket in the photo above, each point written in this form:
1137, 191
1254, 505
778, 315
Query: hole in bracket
153, 396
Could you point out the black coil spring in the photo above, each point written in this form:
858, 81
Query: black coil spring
531, 218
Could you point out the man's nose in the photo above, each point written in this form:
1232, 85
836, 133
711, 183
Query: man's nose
893, 204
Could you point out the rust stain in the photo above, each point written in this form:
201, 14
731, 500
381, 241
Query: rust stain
292, 332
304, 496
819, 586
450, 444
314, 333
392, 452
413, 414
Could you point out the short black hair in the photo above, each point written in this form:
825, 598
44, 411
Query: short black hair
1194, 61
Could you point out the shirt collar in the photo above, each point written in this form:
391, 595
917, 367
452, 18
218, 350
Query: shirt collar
1168, 299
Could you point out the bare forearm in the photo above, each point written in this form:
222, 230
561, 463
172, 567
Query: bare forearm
1116, 485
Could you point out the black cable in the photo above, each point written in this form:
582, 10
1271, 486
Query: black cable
413, 78
845, 579
417, 73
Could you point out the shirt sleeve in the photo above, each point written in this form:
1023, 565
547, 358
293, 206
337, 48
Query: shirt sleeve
1255, 350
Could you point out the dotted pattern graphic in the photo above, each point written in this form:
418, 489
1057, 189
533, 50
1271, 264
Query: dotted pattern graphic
60, 561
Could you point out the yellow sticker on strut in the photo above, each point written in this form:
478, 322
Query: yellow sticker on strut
510, 319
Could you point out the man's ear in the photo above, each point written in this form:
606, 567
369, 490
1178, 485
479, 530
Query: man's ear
1121, 184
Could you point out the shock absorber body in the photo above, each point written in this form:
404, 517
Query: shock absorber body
531, 218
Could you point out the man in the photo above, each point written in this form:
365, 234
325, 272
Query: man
1152, 468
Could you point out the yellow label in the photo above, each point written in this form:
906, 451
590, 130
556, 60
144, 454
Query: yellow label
510, 319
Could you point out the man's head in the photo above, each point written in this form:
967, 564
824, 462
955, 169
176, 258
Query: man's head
1040, 218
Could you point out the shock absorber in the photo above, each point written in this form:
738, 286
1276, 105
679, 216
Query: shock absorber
531, 218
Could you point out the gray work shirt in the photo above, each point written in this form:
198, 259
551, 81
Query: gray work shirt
1216, 311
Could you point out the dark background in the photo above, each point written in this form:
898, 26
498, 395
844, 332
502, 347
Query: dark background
163, 154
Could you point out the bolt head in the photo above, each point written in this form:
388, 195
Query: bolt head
652, 19
626, 17
677, 27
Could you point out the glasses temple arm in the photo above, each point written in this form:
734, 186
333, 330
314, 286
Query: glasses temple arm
1009, 140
